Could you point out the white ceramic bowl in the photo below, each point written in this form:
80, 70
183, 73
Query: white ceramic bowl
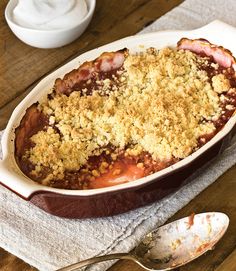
48, 38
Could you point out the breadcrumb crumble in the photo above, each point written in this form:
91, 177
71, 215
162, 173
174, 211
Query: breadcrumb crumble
161, 102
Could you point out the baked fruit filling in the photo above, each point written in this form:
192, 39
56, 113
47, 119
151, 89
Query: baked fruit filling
125, 116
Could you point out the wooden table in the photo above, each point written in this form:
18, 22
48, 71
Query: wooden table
22, 66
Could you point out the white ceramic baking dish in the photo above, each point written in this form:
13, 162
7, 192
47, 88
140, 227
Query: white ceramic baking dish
126, 196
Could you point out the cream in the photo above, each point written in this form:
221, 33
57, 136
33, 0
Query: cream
49, 14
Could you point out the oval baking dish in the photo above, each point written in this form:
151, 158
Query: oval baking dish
123, 197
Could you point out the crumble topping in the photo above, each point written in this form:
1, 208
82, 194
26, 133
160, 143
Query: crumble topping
220, 83
161, 102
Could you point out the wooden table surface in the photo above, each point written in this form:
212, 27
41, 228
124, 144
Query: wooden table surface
22, 66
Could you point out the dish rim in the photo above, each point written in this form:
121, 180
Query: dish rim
25, 187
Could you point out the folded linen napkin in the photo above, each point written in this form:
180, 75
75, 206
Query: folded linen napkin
49, 242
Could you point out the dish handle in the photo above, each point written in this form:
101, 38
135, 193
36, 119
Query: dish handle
217, 27
10, 179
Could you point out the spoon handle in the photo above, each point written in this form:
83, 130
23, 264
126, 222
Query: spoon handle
98, 259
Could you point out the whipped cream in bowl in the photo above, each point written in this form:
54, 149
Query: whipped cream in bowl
49, 23
49, 14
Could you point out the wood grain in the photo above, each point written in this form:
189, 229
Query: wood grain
22, 66
229, 263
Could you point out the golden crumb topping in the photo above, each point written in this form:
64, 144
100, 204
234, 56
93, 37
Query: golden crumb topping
220, 83
163, 104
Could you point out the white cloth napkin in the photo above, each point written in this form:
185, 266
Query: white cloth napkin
49, 242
